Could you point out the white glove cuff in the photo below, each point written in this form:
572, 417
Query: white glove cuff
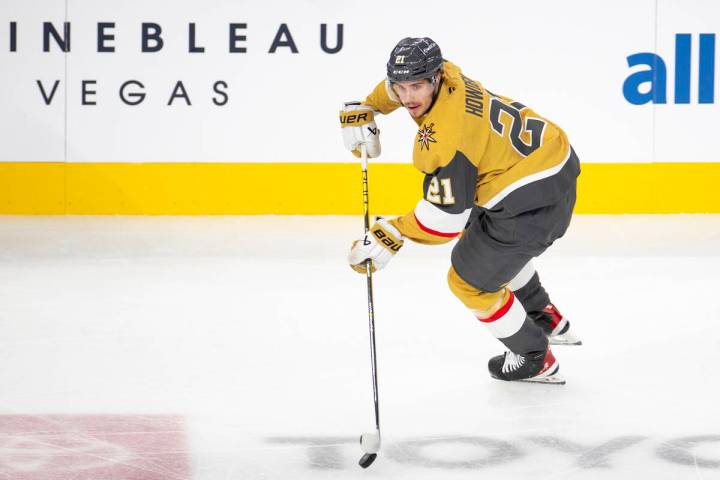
389, 227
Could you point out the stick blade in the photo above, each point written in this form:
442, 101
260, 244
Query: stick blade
367, 460
370, 442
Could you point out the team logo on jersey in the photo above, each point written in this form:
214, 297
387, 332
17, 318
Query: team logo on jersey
425, 136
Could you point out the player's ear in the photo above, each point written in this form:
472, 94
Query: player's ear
435, 81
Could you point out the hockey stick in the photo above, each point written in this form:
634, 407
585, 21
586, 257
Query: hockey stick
369, 442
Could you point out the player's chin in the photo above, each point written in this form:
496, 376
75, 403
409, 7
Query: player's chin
415, 111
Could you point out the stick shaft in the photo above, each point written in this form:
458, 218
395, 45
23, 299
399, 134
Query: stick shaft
368, 268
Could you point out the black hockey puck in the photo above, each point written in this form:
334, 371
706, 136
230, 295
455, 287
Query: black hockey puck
367, 460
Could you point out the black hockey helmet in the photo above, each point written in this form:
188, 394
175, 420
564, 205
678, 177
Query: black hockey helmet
414, 59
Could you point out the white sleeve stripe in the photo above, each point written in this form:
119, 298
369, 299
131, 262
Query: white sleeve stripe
525, 181
435, 219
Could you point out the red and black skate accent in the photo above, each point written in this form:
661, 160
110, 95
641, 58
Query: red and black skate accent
555, 326
539, 367
549, 318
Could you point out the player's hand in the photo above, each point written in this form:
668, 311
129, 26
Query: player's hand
380, 245
358, 127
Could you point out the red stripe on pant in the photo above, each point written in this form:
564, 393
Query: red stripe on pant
501, 312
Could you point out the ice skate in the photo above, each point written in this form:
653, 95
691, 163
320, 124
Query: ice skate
555, 326
540, 367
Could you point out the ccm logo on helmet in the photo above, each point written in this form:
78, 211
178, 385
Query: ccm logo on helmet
364, 117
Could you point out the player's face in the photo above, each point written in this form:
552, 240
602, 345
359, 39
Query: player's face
415, 95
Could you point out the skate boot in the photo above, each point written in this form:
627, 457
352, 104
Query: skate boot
540, 367
555, 326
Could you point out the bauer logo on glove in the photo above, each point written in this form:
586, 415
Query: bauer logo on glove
359, 128
356, 119
387, 240
379, 247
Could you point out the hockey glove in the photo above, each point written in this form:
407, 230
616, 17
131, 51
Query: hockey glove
358, 127
380, 244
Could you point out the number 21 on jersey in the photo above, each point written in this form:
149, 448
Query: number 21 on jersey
520, 125
440, 192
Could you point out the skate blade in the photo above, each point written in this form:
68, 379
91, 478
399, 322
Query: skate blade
550, 377
551, 380
564, 341
567, 338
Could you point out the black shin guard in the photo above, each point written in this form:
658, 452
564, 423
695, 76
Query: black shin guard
533, 296
530, 338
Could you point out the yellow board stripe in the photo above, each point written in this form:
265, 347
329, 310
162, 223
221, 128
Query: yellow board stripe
316, 188
649, 188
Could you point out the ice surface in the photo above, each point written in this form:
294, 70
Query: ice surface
237, 348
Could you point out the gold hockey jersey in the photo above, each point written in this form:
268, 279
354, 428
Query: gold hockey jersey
477, 148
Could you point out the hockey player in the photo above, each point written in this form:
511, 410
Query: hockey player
498, 176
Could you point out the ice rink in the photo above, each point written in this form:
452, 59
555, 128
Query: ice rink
213, 348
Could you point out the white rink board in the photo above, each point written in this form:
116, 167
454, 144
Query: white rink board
32, 131
687, 132
567, 61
